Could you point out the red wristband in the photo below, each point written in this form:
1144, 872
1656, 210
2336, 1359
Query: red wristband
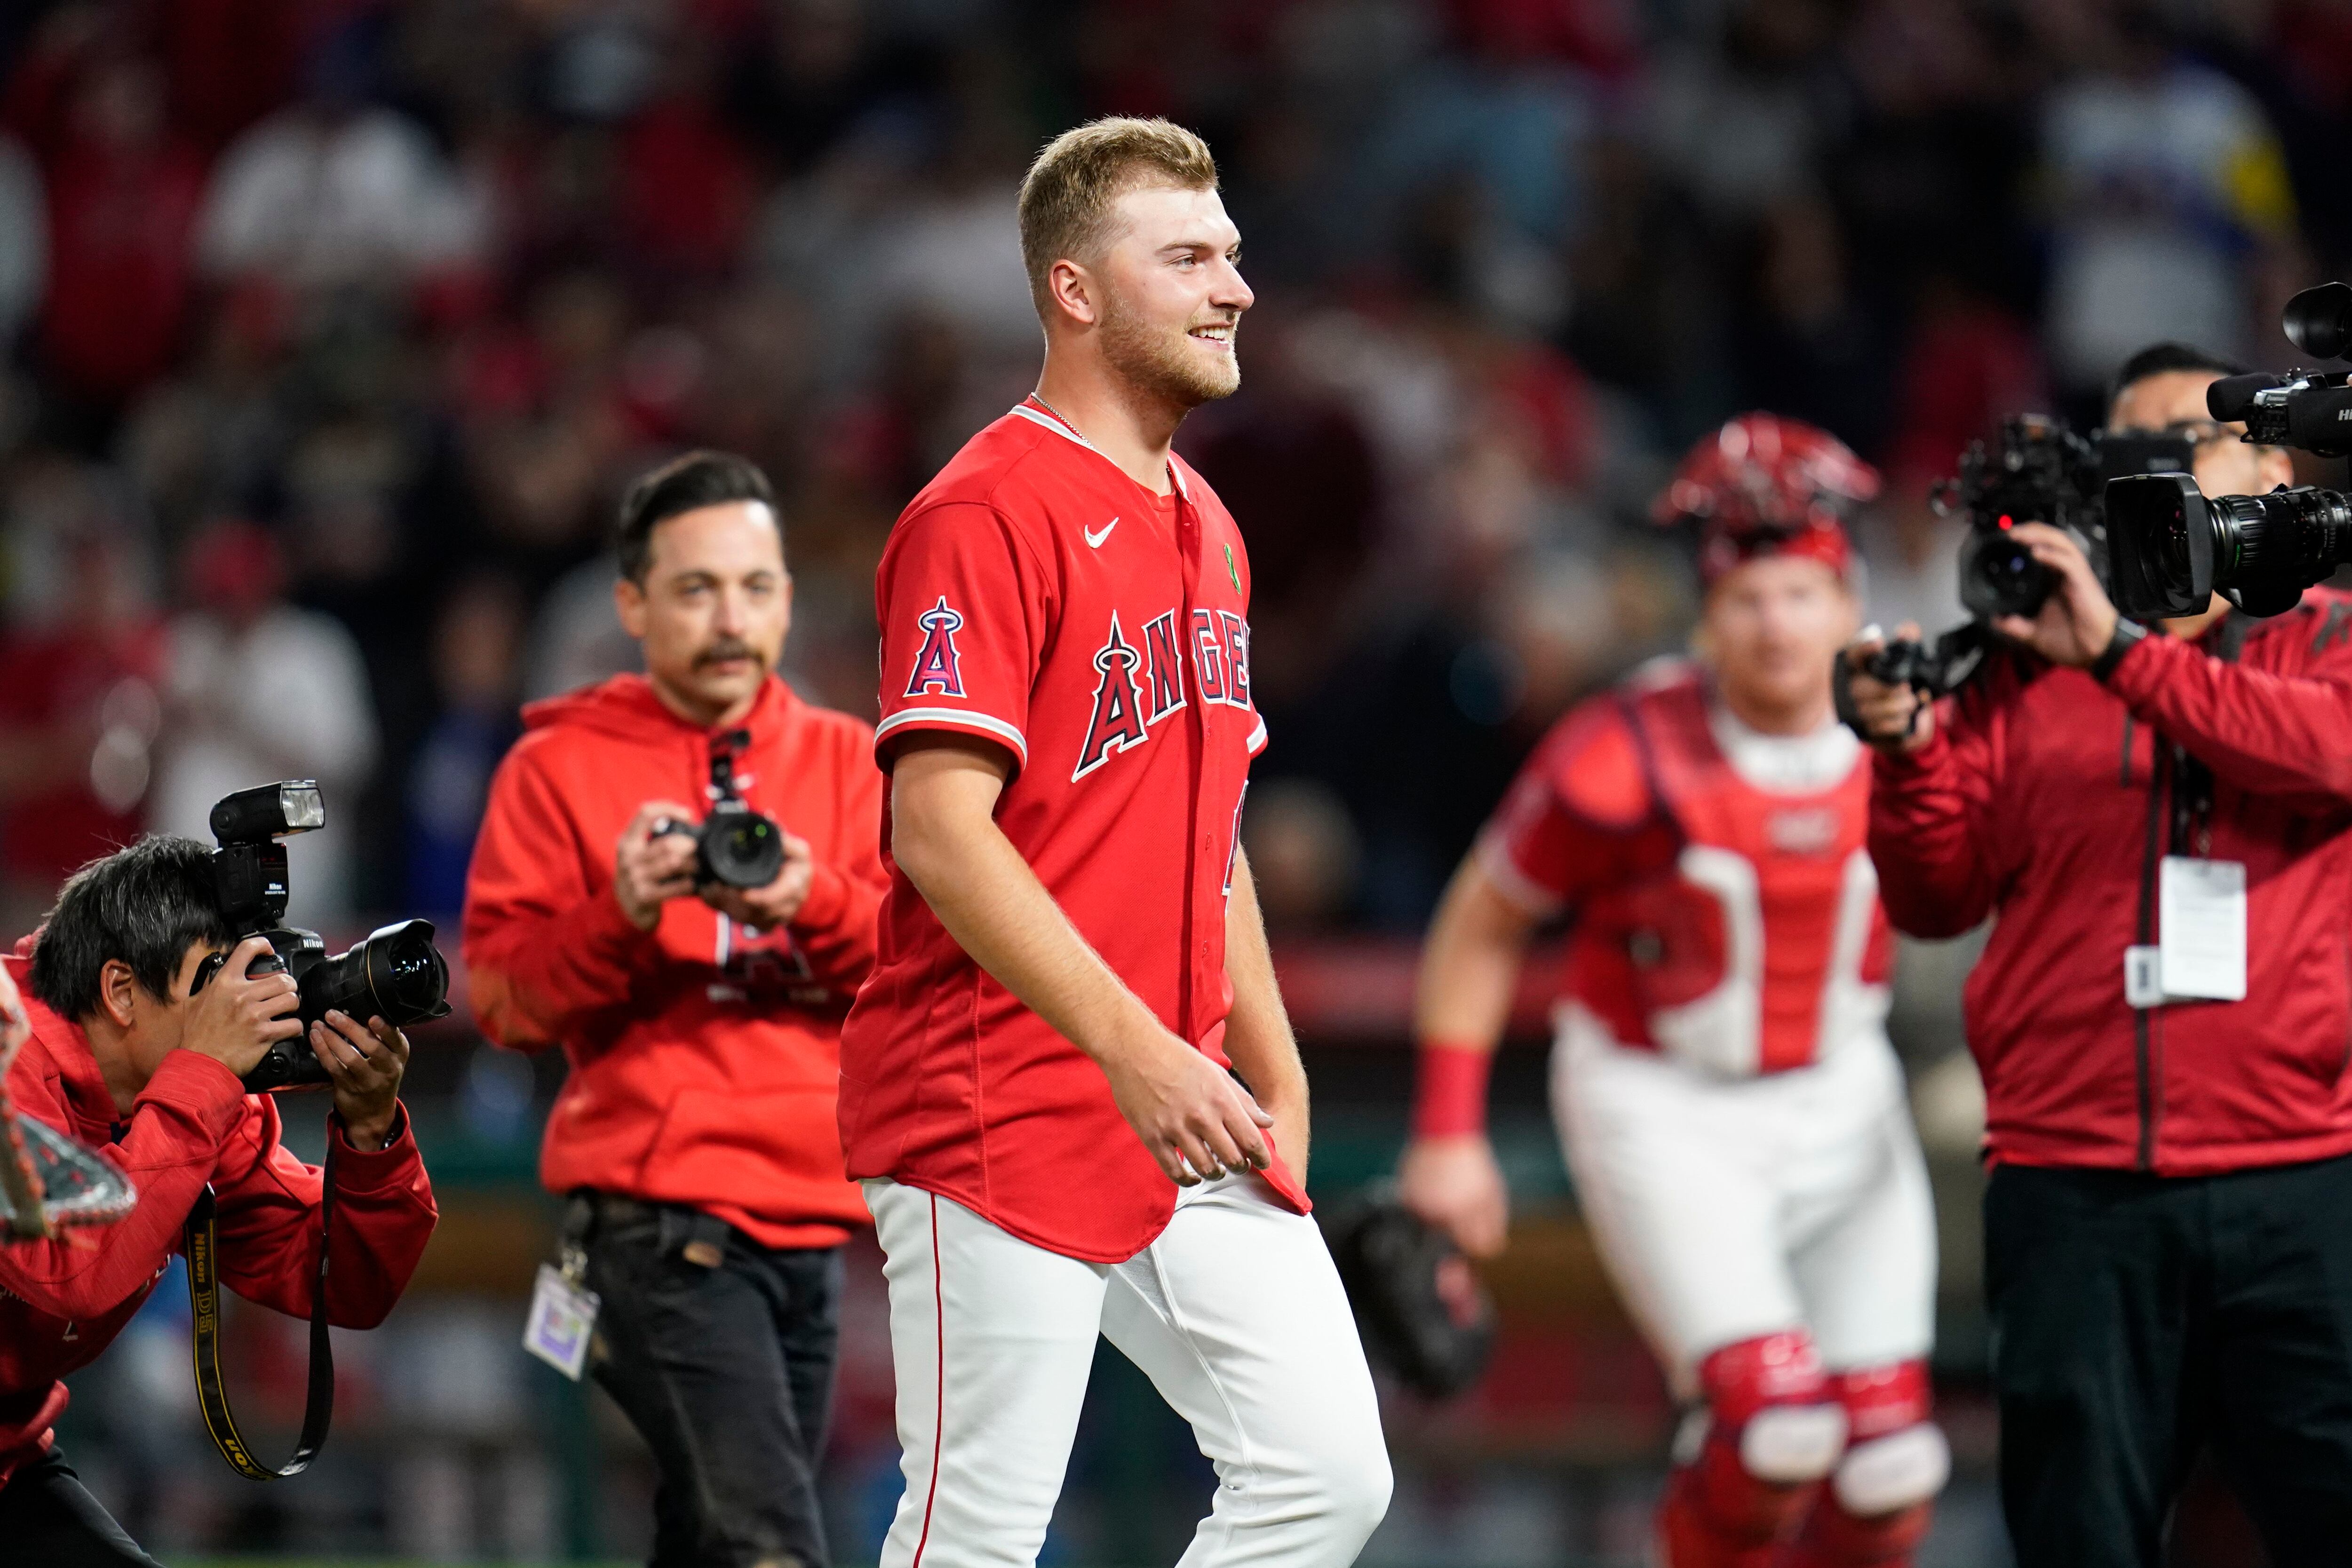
1450, 1100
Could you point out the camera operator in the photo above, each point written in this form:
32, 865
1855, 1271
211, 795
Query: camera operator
2167, 1259
696, 1132
124, 1056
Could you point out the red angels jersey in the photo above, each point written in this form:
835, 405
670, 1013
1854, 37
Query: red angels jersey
1724, 908
1035, 597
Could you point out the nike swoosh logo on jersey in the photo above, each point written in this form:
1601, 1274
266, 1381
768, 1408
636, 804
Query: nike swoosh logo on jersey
1094, 539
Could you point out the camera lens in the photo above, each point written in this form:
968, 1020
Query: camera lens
406, 973
2001, 577
742, 849
396, 975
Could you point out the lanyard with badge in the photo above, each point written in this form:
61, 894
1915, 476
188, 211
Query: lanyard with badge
2200, 953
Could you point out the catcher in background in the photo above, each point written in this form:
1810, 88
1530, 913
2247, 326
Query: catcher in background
1730, 1108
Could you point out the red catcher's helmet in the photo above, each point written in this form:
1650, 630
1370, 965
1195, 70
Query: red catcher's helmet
1763, 485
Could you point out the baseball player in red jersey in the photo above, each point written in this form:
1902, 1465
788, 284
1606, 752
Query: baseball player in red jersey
1731, 1108
1043, 1081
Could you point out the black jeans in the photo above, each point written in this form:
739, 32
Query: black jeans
2136, 1319
48, 1517
725, 1367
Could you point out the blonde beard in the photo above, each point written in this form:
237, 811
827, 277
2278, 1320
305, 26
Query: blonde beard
1145, 356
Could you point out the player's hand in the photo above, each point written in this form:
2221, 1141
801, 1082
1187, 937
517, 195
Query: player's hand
365, 1065
237, 1017
1454, 1184
2077, 621
764, 908
1197, 1122
1894, 719
650, 869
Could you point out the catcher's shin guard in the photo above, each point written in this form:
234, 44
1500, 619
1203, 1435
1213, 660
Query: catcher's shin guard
1876, 1511
1753, 1459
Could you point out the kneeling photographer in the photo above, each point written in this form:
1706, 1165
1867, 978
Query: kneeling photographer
138, 1044
694, 962
2159, 819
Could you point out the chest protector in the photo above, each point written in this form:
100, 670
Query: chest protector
1750, 939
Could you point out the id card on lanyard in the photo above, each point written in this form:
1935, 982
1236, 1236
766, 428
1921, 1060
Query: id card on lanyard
2200, 949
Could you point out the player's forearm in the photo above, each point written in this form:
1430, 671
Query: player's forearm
1259, 1037
997, 910
1469, 972
1470, 963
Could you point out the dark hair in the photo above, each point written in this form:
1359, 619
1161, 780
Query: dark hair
146, 905
685, 484
2161, 359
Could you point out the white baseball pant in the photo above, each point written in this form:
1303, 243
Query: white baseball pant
1235, 1313
1732, 1207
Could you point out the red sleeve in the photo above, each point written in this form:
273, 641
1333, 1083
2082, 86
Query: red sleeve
1928, 839
839, 921
965, 612
544, 950
270, 1226
188, 1112
2270, 732
1576, 819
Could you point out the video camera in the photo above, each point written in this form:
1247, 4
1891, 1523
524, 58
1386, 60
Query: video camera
735, 845
2175, 548
395, 974
2038, 471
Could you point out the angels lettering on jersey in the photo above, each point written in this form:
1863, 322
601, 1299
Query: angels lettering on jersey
1141, 675
1139, 686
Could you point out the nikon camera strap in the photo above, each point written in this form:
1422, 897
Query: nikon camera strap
204, 1301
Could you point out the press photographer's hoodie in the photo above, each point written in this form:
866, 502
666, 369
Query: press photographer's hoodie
2048, 800
62, 1303
705, 1056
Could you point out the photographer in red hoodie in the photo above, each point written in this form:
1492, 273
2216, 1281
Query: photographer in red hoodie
127, 1056
2168, 1257
697, 1131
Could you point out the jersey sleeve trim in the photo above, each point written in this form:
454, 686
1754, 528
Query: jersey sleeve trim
1257, 738
955, 718
1532, 896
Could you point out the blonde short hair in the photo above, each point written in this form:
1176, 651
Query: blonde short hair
1067, 197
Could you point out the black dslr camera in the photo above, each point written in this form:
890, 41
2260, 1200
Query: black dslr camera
395, 974
2039, 472
735, 845
2174, 548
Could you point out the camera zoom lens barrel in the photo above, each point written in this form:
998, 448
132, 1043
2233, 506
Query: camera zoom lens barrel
396, 975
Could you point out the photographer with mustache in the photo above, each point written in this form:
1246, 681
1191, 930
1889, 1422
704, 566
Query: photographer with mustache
695, 1135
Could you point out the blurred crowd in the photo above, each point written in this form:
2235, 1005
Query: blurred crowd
334, 328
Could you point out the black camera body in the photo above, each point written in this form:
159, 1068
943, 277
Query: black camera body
395, 974
735, 845
2175, 547
2041, 471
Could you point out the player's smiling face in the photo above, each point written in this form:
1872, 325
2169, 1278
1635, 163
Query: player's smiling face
713, 609
1772, 625
1173, 294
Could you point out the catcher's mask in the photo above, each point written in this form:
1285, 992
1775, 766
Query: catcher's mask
1419, 1304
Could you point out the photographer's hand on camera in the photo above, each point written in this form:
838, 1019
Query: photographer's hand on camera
365, 1064
764, 908
2078, 620
238, 1017
650, 869
1896, 718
